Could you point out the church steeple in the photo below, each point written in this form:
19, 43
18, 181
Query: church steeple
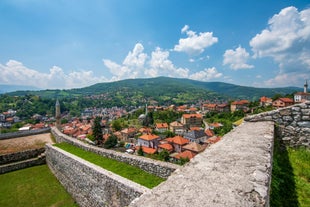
57, 114
306, 87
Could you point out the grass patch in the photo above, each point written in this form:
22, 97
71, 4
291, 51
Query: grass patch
35, 187
123, 169
290, 185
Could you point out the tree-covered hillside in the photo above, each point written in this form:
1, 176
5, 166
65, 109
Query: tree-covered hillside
163, 89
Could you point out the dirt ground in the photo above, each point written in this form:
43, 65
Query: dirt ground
24, 143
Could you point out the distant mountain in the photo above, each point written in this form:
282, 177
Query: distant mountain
12, 88
164, 89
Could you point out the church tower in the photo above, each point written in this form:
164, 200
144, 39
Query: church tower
306, 87
57, 114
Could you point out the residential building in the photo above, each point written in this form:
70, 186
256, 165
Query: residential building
282, 102
176, 127
161, 127
198, 136
265, 101
165, 146
194, 147
128, 133
239, 105
186, 154
304, 96
191, 120
222, 108
149, 140
177, 142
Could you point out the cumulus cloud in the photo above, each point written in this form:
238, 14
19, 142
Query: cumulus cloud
287, 41
236, 59
132, 66
15, 72
195, 44
206, 74
157, 64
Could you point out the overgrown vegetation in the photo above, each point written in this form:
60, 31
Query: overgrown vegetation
290, 184
125, 170
225, 118
33, 187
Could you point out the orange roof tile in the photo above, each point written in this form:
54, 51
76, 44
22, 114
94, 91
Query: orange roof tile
213, 140
161, 125
286, 100
187, 116
166, 146
186, 154
147, 150
177, 140
149, 137
209, 132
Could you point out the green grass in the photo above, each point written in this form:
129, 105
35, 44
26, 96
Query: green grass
300, 160
35, 187
290, 185
123, 169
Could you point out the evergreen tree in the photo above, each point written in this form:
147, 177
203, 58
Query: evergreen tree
111, 142
97, 131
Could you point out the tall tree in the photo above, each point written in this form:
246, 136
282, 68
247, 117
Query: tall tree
97, 131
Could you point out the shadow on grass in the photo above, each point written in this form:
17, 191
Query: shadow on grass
283, 188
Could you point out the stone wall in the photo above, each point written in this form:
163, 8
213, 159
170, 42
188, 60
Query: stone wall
23, 133
233, 172
19, 156
21, 160
293, 123
89, 184
159, 168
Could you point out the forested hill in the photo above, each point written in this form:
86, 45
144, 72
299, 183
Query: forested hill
164, 89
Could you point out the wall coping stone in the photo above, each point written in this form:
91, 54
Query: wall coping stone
233, 172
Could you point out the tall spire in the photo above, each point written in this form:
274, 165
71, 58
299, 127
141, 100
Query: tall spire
306, 86
57, 114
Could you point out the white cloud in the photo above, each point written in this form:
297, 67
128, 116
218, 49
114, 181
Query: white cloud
287, 41
15, 72
236, 59
281, 80
158, 64
206, 74
195, 44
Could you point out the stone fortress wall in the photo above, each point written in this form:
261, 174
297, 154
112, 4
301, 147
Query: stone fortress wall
233, 172
292, 122
88, 184
19, 160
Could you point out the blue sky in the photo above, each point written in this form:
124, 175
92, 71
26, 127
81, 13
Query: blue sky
71, 44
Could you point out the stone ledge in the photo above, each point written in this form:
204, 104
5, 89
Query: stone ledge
233, 172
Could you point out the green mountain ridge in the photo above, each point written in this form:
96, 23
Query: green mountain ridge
164, 86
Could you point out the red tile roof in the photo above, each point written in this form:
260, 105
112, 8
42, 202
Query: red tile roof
147, 150
178, 140
149, 137
161, 125
187, 116
286, 100
166, 146
209, 132
186, 154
